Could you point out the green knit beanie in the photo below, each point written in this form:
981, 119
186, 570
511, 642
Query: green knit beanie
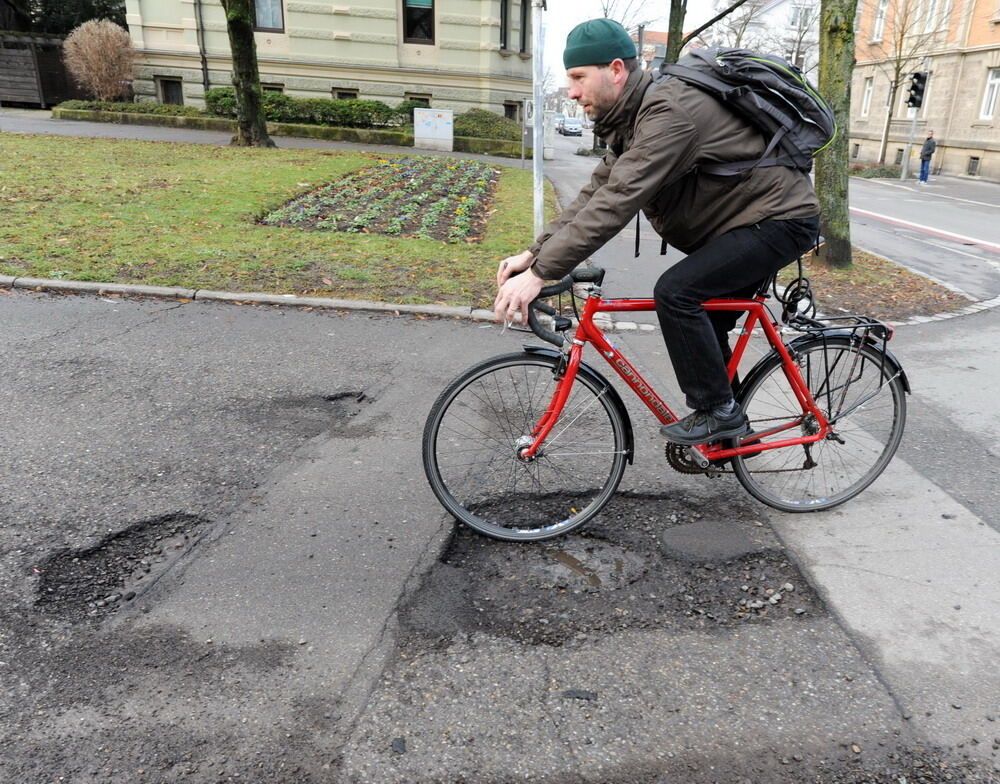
597, 42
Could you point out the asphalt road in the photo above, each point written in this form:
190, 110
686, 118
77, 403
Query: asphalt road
301, 610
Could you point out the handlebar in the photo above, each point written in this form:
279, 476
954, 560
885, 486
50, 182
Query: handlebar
593, 275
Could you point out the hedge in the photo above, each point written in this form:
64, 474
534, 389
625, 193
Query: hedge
481, 124
134, 108
278, 107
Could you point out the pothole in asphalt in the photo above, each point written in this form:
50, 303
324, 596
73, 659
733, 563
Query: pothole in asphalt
647, 562
309, 415
93, 582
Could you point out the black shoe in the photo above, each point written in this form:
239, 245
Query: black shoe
700, 427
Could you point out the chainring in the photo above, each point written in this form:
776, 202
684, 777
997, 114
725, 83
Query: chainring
679, 459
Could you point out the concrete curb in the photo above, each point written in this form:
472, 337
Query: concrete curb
295, 301
256, 298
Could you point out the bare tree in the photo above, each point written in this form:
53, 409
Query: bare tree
741, 28
628, 13
251, 127
801, 38
901, 32
99, 55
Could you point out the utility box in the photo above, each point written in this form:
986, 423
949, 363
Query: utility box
434, 129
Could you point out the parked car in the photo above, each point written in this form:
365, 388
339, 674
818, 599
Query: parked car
558, 121
571, 127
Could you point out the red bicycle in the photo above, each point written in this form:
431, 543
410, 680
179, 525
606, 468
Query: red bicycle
530, 445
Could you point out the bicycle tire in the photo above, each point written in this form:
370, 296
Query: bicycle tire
869, 434
470, 445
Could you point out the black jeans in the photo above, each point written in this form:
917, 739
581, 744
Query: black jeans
732, 265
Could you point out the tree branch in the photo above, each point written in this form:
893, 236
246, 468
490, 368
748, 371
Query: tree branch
711, 22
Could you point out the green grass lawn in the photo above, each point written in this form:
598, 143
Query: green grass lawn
186, 215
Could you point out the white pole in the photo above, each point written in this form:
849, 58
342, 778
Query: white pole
538, 79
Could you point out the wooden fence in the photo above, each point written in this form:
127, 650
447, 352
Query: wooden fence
32, 70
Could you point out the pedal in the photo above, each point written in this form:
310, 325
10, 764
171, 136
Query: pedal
698, 458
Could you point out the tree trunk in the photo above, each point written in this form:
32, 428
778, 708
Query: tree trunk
251, 127
836, 63
675, 30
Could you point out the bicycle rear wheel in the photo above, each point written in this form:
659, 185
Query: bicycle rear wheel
481, 420
857, 389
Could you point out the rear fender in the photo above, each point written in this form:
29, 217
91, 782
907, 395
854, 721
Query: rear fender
802, 340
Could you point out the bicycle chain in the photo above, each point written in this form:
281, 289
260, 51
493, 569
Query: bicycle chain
679, 460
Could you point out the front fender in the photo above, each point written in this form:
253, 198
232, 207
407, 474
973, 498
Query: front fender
602, 383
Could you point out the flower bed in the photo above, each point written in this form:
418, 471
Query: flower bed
434, 198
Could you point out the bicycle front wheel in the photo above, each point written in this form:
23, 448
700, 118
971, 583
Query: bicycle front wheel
858, 390
484, 417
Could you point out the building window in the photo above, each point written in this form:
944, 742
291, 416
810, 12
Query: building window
899, 156
973, 169
989, 106
418, 21
879, 24
866, 98
856, 151
268, 16
344, 95
170, 90
504, 24
272, 88
512, 110
799, 17
930, 18
525, 26
424, 99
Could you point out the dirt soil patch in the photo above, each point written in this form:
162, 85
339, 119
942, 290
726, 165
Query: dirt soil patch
874, 286
615, 575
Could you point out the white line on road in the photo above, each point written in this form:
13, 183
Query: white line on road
930, 193
927, 229
992, 263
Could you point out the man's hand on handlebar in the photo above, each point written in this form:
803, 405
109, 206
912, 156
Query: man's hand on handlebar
517, 290
513, 265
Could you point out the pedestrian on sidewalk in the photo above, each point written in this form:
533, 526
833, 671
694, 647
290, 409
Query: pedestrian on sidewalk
926, 152
736, 229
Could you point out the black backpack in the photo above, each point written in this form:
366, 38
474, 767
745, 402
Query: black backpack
769, 92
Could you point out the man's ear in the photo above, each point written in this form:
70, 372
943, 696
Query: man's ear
619, 73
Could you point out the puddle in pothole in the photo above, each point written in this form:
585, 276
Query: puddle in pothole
93, 582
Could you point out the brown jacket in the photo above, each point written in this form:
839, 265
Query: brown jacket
657, 134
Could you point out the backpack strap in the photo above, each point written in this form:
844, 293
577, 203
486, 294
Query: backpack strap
737, 167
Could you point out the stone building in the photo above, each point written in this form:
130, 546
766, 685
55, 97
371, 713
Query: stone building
957, 43
450, 54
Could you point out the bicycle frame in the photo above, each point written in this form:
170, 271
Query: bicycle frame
588, 332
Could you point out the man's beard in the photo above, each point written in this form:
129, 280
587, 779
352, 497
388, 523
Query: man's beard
603, 102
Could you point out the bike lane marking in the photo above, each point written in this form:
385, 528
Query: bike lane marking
927, 229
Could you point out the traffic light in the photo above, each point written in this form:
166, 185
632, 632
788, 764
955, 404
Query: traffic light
918, 83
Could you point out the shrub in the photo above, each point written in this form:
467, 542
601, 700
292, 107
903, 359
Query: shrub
351, 113
481, 124
99, 55
133, 108
405, 111
221, 101
873, 171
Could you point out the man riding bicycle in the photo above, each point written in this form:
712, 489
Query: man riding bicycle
736, 229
